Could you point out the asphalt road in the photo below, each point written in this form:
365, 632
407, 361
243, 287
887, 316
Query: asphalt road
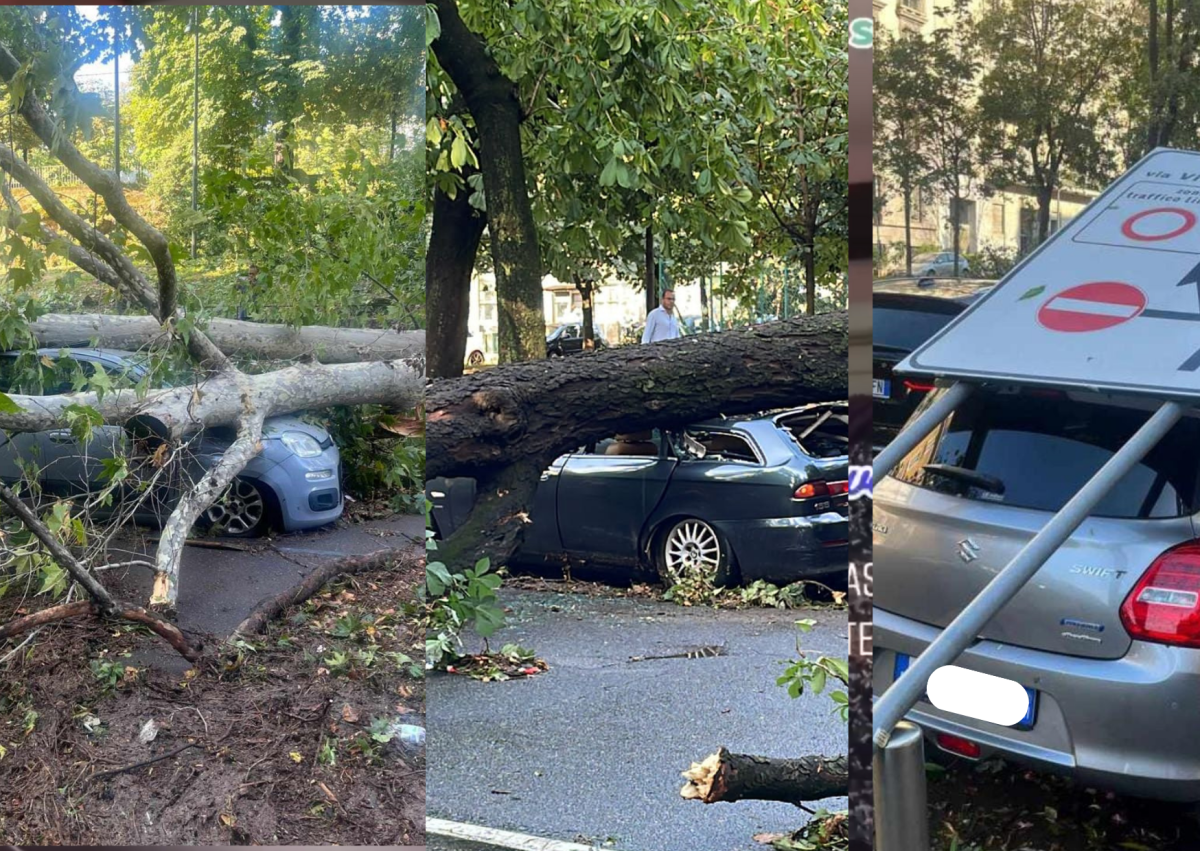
591, 751
219, 587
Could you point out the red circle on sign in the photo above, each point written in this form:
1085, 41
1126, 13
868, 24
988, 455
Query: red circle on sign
1092, 307
1189, 222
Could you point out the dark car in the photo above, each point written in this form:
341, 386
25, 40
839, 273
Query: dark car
762, 497
907, 312
568, 340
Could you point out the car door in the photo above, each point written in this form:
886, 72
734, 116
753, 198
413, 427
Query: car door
605, 495
73, 466
17, 449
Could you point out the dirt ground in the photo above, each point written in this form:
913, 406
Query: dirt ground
284, 741
996, 806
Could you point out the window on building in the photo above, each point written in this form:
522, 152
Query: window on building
917, 6
998, 219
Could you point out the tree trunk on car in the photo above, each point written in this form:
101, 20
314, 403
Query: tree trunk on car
504, 426
225, 395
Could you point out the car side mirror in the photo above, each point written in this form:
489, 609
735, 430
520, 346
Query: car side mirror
694, 447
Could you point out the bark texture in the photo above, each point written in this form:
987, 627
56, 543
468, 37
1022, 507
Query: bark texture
234, 338
449, 261
173, 412
728, 777
491, 98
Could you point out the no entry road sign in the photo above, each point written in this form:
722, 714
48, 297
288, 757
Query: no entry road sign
1111, 301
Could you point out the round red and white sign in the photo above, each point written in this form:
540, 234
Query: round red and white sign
1092, 307
1158, 224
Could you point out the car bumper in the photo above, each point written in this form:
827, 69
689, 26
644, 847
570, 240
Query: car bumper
1124, 724
789, 548
306, 503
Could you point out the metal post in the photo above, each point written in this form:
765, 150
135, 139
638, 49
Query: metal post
916, 431
964, 629
195, 117
901, 806
117, 102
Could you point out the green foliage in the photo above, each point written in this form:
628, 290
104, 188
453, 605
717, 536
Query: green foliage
377, 463
456, 602
647, 114
805, 673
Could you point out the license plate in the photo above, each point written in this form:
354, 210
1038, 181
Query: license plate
903, 661
881, 388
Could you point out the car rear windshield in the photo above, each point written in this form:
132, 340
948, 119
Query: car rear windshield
904, 328
822, 432
1037, 449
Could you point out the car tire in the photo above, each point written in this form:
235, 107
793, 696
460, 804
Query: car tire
242, 512
475, 358
703, 542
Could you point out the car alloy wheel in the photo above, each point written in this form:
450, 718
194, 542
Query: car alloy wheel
241, 512
475, 358
693, 549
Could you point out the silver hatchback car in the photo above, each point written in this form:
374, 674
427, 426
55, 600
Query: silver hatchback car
1106, 636
293, 483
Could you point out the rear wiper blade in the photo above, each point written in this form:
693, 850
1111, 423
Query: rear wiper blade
972, 477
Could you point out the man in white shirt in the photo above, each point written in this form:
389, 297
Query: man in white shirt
661, 323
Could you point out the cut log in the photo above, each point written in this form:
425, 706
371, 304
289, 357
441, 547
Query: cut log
176, 411
272, 607
728, 777
233, 337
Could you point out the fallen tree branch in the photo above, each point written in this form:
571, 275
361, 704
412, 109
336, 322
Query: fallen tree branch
173, 412
52, 614
271, 607
233, 337
728, 777
104, 601
144, 763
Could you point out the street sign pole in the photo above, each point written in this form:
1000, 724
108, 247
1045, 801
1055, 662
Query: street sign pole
964, 629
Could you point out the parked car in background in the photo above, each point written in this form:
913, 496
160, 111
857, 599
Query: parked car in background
293, 483
1105, 638
568, 340
743, 498
905, 313
939, 263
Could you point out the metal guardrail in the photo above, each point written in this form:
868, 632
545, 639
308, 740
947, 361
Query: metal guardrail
898, 772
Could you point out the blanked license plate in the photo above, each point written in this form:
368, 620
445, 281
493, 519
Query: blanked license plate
881, 388
903, 661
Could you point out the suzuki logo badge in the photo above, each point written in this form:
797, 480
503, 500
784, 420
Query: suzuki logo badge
968, 550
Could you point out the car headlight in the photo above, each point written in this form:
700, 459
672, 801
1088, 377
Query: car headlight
301, 444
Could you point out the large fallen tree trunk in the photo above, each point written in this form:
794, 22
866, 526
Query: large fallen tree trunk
504, 426
728, 777
233, 337
175, 411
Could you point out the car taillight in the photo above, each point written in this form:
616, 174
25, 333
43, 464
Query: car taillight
917, 386
819, 488
959, 745
1164, 606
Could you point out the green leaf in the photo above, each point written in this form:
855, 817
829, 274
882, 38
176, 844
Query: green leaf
459, 152
433, 25
609, 176
1032, 292
8, 406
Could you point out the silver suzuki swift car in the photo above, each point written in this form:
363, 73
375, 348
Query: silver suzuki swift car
293, 483
1105, 638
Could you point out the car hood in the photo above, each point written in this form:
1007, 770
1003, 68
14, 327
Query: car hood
274, 427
